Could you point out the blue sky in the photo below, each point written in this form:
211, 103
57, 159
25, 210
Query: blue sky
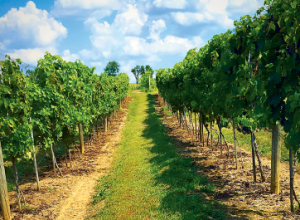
132, 32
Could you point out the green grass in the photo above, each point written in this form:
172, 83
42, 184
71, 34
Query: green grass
263, 139
148, 179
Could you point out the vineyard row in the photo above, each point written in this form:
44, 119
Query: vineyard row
56, 104
248, 76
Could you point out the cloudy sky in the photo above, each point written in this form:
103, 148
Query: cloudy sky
132, 32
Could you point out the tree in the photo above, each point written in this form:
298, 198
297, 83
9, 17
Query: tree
112, 68
136, 71
144, 85
141, 70
148, 68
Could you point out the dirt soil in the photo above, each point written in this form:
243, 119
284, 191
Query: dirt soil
243, 198
68, 197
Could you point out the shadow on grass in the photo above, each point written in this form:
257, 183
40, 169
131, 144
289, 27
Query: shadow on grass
187, 191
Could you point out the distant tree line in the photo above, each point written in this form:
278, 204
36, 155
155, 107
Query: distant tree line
141, 70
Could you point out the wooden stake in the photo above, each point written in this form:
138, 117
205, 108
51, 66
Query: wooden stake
253, 157
220, 130
235, 151
211, 135
81, 138
53, 161
201, 128
263, 178
105, 128
14, 160
35, 165
275, 160
3, 190
291, 180
70, 157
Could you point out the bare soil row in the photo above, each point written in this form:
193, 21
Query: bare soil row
69, 196
243, 198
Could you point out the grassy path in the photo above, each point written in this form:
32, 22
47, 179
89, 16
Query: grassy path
148, 179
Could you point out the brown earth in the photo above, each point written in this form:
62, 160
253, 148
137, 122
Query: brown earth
243, 198
68, 197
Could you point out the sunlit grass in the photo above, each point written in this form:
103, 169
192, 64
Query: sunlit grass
148, 179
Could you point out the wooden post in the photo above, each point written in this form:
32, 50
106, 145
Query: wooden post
53, 161
291, 179
220, 130
94, 131
70, 157
14, 160
35, 164
235, 151
179, 118
3, 190
81, 138
275, 160
263, 178
211, 135
253, 157
149, 82
105, 126
196, 127
201, 128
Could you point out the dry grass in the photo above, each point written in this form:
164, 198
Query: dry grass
243, 198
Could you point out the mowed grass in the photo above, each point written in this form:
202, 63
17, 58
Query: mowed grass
148, 179
263, 139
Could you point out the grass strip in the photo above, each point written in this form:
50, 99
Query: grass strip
148, 179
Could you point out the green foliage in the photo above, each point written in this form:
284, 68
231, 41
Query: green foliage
52, 100
15, 125
249, 75
144, 84
140, 71
112, 68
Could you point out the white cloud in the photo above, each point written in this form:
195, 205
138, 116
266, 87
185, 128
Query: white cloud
243, 7
108, 38
127, 66
237, 2
176, 4
94, 8
190, 18
198, 41
32, 26
156, 28
131, 21
31, 56
99, 14
212, 12
98, 28
170, 44
85, 4
67, 56
217, 6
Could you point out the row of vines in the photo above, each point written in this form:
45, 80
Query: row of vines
50, 106
248, 76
